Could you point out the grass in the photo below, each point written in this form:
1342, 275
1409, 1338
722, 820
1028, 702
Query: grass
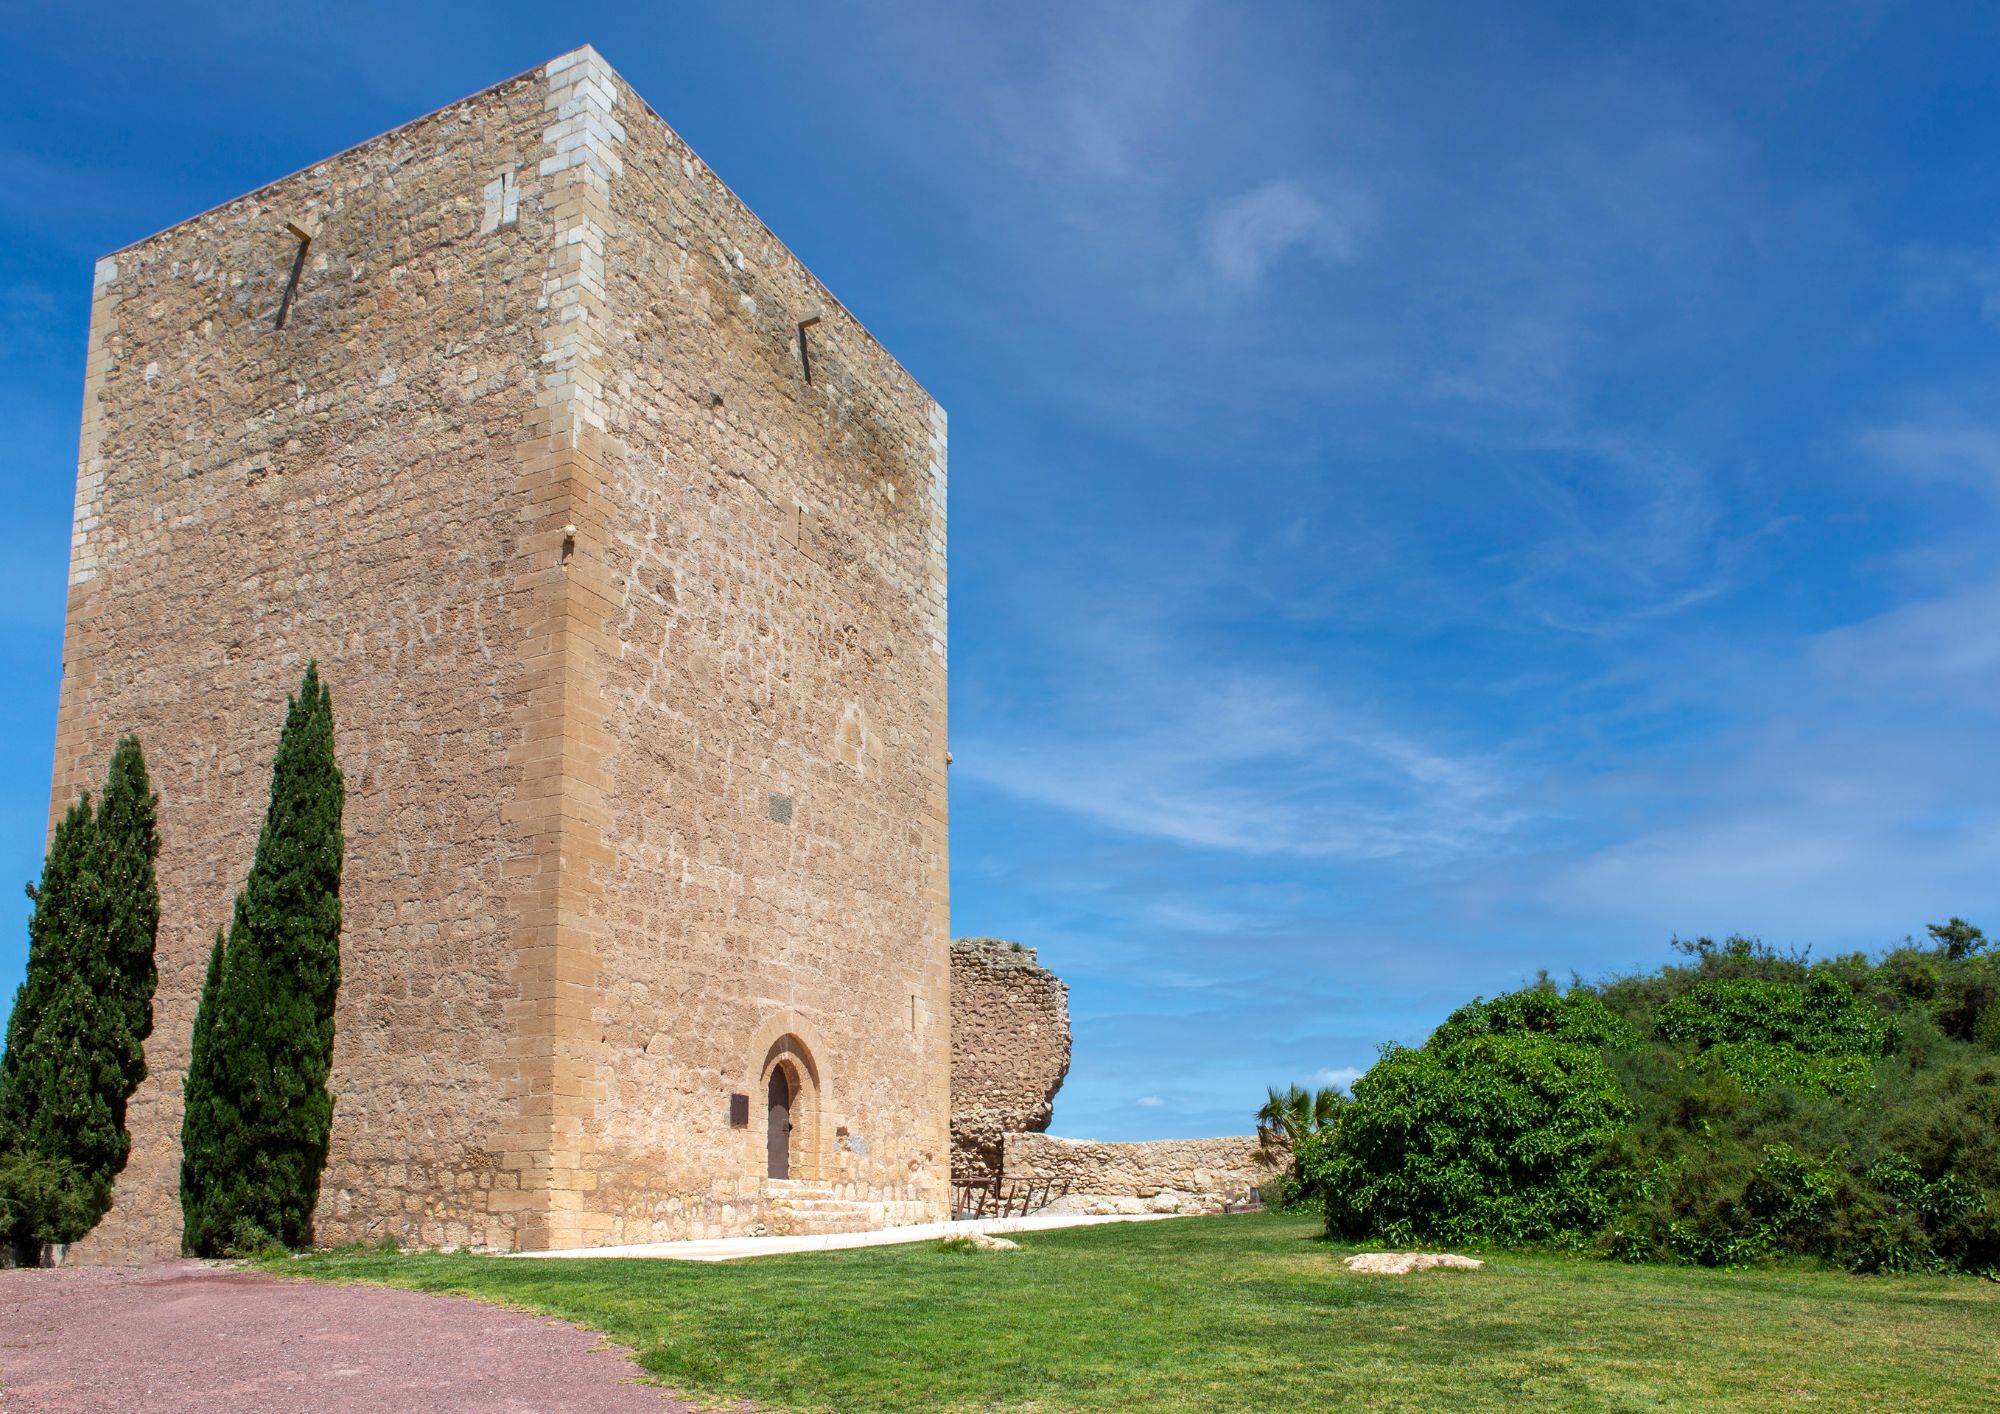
1243, 1313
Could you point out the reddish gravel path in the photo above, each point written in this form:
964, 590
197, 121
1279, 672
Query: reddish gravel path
187, 1336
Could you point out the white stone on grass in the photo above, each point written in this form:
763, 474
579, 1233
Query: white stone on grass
1396, 1264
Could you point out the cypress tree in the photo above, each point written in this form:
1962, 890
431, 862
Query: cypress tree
254, 1134
128, 842
206, 1116
76, 1037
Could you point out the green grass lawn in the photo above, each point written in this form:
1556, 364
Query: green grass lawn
1245, 1313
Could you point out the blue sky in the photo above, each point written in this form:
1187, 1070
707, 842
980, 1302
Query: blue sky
1436, 493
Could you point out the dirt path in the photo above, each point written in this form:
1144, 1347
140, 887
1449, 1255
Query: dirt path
187, 1336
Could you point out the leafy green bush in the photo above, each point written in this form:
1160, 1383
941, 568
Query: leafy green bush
1496, 1135
1576, 1016
43, 1200
1759, 1065
1815, 1034
1759, 1105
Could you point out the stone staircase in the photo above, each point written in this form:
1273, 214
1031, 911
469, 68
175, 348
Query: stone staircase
797, 1207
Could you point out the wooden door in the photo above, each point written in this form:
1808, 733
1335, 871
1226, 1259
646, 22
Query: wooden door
778, 1138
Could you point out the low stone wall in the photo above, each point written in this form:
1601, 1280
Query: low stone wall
1159, 1175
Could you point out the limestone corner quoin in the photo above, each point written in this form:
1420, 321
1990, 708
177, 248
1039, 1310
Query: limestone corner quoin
636, 638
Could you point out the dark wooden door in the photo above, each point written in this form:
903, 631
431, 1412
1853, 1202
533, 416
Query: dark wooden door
778, 1141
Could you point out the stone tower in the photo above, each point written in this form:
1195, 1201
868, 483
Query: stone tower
621, 545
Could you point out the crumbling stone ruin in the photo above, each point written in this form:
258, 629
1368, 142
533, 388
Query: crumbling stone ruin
621, 545
1009, 1050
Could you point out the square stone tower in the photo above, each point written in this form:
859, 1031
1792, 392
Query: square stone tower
621, 546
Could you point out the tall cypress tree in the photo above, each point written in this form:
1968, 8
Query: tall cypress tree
76, 1037
205, 1119
128, 840
254, 1135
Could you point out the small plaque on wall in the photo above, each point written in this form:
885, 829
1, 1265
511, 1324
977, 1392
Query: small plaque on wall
739, 1111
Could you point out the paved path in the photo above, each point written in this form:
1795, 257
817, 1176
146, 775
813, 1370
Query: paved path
730, 1249
187, 1336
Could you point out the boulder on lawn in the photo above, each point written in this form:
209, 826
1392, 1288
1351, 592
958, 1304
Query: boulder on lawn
1396, 1264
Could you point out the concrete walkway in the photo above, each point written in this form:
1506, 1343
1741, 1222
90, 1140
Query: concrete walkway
731, 1249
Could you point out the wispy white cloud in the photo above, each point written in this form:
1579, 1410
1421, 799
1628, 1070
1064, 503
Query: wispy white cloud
1942, 648
1950, 447
1627, 530
1237, 759
1246, 234
1339, 1077
1088, 102
1854, 798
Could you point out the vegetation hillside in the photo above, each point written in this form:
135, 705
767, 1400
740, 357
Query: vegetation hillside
1738, 1104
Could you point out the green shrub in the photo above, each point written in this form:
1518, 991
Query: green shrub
1759, 1065
1499, 1136
1761, 1105
1290, 1193
43, 1200
1577, 1016
1818, 1016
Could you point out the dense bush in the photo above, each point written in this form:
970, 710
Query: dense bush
42, 1200
1485, 1133
1813, 1034
1576, 1016
1737, 1105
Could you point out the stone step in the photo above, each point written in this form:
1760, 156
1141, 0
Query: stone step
802, 1207
791, 1224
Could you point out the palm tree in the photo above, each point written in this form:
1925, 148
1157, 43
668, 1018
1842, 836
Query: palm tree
1291, 1114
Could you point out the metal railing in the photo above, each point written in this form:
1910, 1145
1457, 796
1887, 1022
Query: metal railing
1003, 1198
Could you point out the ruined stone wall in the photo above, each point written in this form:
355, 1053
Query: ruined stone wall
1163, 1175
354, 488
1009, 1049
636, 643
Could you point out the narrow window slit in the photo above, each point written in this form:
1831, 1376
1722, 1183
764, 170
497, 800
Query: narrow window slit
298, 269
805, 350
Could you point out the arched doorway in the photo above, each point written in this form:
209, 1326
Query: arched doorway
778, 1132
790, 1080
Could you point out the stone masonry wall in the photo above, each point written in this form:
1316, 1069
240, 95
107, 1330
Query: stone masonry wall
761, 565
637, 649
1164, 1175
1010, 1047
352, 488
